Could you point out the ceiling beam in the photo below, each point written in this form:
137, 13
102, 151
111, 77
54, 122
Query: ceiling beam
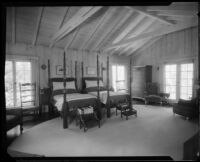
35, 36
134, 21
158, 32
13, 25
121, 21
178, 13
66, 11
114, 50
141, 27
128, 47
146, 45
81, 16
71, 39
174, 7
94, 30
60, 23
137, 45
143, 10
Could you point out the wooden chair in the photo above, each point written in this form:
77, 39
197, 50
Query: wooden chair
28, 99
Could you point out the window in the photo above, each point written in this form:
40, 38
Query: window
186, 81
170, 80
118, 77
179, 80
16, 72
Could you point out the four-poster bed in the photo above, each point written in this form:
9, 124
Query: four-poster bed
70, 102
105, 95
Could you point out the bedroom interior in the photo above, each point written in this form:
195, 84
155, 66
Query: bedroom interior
89, 63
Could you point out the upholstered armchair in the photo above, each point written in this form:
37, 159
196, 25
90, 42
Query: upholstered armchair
186, 108
14, 118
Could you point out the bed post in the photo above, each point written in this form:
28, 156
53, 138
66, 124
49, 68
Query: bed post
49, 73
82, 74
108, 92
98, 98
65, 107
76, 73
130, 99
102, 70
50, 87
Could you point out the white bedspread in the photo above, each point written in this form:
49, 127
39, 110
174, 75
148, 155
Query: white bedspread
70, 97
103, 95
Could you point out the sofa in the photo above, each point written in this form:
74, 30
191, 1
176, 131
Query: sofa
186, 108
14, 118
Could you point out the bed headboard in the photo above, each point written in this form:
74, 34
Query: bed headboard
89, 78
62, 80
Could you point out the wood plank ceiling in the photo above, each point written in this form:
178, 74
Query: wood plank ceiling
117, 30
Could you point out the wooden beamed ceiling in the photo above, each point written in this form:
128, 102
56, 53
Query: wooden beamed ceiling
116, 30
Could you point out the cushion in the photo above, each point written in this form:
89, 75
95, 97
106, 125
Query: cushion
12, 118
191, 103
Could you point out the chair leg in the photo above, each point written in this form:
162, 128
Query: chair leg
21, 128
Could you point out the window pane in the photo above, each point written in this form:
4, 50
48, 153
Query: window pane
186, 81
190, 75
9, 84
23, 75
190, 67
114, 77
120, 73
170, 80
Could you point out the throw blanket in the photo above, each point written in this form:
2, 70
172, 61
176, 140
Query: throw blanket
71, 97
103, 95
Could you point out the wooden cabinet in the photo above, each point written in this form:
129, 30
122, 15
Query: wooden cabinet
140, 77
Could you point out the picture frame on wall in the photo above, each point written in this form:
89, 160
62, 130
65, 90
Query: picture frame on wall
91, 70
59, 70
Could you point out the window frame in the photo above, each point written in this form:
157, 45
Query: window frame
13, 60
118, 80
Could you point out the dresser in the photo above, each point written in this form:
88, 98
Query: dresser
141, 75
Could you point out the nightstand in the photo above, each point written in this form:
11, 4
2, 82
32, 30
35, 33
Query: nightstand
44, 100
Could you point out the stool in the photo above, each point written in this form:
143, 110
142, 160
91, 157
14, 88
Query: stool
86, 113
126, 110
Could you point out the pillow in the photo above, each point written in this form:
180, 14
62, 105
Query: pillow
93, 83
70, 85
59, 85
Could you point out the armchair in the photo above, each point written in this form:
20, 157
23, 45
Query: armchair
152, 95
186, 108
14, 118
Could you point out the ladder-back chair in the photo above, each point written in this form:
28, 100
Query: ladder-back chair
28, 99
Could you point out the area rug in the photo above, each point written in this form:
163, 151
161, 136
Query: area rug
154, 132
